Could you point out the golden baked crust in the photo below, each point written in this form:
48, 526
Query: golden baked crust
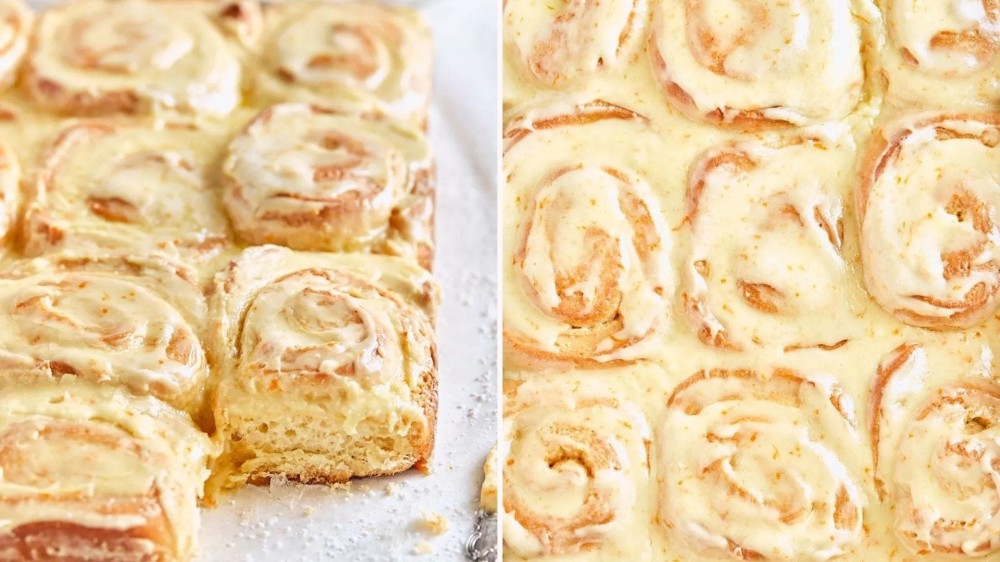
117, 320
94, 474
327, 367
314, 179
350, 56
103, 185
99, 57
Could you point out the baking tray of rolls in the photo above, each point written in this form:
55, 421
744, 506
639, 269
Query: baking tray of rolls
750, 281
219, 237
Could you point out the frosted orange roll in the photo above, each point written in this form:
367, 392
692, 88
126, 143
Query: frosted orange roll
15, 29
927, 201
350, 56
764, 65
936, 448
587, 278
767, 242
94, 474
557, 47
316, 179
105, 185
98, 57
753, 466
134, 322
942, 54
327, 366
575, 461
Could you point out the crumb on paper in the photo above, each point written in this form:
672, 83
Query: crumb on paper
309, 511
345, 488
390, 488
423, 547
434, 523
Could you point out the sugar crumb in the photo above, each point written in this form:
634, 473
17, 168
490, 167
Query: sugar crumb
434, 523
423, 547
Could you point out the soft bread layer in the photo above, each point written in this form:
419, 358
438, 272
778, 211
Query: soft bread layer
89, 469
307, 447
331, 355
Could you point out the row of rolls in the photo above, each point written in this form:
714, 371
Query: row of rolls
298, 175
209, 57
215, 216
763, 64
750, 280
770, 230
744, 464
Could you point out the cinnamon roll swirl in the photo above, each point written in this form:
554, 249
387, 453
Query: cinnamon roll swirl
765, 64
15, 28
129, 321
942, 54
937, 452
752, 466
10, 194
351, 56
575, 461
95, 57
767, 243
327, 363
91, 473
928, 201
557, 46
587, 278
313, 179
104, 185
